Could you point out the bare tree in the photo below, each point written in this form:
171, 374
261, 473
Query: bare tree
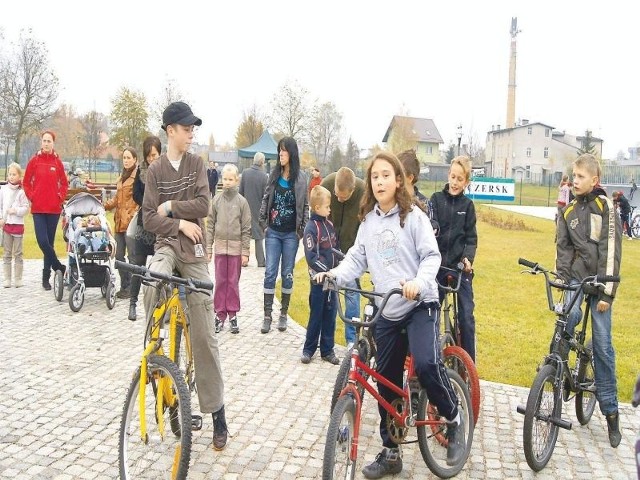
129, 118
28, 88
290, 111
324, 131
93, 124
352, 155
250, 128
170, 93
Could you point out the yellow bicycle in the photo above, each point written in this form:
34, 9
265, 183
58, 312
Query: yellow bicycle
156, 426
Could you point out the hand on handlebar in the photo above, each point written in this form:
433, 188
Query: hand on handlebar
320, 276
467, 265
410, 289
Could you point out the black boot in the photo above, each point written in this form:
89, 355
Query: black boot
613, 426
282, 320
219, 429
268, 308
45, 279
132, 311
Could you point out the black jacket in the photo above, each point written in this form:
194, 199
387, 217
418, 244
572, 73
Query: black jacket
456, 218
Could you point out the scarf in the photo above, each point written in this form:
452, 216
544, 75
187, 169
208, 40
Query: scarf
126, 173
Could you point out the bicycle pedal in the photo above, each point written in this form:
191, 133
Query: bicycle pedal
196, 422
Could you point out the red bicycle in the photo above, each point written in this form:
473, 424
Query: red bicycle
411, 409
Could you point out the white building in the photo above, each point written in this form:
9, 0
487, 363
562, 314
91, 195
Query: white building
533, 152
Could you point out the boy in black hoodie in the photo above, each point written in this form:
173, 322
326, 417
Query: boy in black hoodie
319, 241
455, 216
589, 243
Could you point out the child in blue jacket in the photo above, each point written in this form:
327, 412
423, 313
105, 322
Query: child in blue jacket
319, 241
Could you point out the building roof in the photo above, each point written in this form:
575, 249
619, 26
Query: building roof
265, 144
496, 128
424, 128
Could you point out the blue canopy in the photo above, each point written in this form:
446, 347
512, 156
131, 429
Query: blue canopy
265, 144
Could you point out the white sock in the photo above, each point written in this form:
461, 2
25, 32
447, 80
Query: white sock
457, 419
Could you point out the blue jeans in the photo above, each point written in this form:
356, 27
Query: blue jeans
322, 321
279, 245
45, 226
604, 357
351, 309
421, 338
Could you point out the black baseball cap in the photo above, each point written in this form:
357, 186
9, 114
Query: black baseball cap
180, 113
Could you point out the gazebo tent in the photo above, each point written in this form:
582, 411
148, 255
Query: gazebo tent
265, 144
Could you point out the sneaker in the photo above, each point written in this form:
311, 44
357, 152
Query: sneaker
234, 324
282, 322
332, 359
613, 425
219, 430
305, 358
388, 462
456, 443
219, 324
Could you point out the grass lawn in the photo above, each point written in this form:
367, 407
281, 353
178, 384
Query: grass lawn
513, 323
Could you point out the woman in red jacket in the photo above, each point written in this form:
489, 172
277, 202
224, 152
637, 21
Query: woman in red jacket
45, 184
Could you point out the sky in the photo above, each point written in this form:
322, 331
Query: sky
447, 61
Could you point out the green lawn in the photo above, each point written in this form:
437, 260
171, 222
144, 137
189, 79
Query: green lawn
513, 324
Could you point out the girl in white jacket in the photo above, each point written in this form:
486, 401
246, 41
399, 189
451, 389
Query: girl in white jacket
13, 207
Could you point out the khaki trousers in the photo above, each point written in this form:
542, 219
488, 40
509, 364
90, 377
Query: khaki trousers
200, 314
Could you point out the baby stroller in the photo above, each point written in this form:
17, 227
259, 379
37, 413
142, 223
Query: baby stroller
89, 248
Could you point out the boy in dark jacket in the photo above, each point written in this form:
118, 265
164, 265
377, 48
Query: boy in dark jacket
589, 243
319, 241
455, 215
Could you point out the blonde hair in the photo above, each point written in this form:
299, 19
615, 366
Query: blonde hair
230, 168
589, 163
16, 167
317, 196
465, 164
345, 180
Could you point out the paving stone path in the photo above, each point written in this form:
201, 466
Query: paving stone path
64, 376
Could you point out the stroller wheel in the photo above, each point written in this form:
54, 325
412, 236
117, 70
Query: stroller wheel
58, 285
76, 298
111, 295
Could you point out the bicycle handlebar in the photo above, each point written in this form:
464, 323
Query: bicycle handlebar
330, 284
449, 288
146, 274
592, 280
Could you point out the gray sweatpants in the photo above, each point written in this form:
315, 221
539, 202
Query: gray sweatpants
205, 345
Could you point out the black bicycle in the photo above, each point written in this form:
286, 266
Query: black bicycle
559, 377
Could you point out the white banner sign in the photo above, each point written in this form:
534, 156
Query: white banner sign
482, 188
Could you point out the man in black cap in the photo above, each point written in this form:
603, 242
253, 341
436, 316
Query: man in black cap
176, 200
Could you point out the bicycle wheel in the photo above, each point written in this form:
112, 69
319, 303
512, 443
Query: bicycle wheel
340, 441
635, 226
433, 445
162, 454
458, 360
539, 434
586, 396
343, 372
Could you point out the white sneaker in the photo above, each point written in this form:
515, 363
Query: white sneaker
350, 346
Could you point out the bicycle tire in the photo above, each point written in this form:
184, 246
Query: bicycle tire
635, 226
159, 453
433, 446
458, 360
539, 435
343, 372
337, 462
585, 400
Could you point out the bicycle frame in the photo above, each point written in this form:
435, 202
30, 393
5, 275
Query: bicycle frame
171, 306
451, 334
